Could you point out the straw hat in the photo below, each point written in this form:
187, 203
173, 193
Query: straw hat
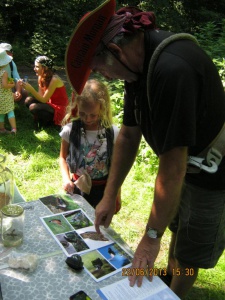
4, 58
83, 43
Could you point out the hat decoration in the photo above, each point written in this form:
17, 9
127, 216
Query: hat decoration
44, 61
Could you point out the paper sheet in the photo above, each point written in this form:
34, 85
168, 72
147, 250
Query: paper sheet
120, 290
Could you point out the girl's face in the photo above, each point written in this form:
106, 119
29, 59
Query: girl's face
38, 68
89, 114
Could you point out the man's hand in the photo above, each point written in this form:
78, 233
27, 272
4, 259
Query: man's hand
104, 212
144, 258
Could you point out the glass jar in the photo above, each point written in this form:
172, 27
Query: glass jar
6, 184
12, 225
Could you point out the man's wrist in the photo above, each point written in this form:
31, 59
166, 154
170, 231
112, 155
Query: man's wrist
153, 233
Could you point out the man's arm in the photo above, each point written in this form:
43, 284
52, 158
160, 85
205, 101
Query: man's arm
168, 186
124, 154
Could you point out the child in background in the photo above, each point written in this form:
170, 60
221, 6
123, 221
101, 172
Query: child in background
87, 143
19, 94
6, 95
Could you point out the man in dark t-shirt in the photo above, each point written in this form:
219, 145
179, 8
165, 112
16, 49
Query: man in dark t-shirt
178, 116
178, 105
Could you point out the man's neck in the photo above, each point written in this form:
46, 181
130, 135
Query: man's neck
136, 53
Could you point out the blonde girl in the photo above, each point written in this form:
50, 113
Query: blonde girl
87, 142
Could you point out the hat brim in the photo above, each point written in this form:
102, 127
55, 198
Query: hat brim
83, 43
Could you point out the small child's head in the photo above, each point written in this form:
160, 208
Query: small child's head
4, 58
93, 105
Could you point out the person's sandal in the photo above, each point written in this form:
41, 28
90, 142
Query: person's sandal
4, 131
13, 131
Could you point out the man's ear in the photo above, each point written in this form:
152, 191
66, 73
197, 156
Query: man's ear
114, 49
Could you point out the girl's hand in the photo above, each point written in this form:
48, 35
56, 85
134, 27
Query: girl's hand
68, 186
28, 87
10, 80
21, 83
11, 84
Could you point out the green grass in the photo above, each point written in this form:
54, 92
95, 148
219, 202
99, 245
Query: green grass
33, 158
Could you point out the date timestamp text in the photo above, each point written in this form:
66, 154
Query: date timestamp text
157, 272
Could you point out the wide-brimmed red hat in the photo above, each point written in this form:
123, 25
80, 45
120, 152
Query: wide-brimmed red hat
83, 43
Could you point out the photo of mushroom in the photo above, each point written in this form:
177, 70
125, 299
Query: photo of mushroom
93, 239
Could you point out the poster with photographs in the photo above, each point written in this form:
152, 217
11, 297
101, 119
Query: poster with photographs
75, 233
63, 227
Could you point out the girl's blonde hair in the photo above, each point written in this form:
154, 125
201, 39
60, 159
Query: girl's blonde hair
93, 90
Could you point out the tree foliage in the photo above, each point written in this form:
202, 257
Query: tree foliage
44, 26
182, 15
